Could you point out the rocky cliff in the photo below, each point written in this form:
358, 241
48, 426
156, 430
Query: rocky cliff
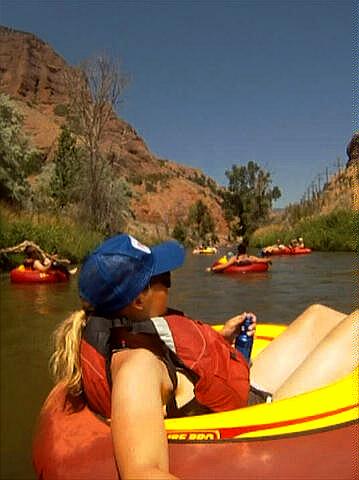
342, 190
31, 72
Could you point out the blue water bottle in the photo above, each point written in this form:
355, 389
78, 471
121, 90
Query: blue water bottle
244, 342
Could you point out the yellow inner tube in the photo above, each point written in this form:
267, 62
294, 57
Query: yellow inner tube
330, 406
223, 260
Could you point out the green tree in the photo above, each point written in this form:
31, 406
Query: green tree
65, 177
248, 197
180, 232
15, 154
200, 222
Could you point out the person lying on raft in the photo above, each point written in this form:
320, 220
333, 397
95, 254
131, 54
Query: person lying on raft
161, 363
35, 261
273, 248
242, 258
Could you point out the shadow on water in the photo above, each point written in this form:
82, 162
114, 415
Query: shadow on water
29, 314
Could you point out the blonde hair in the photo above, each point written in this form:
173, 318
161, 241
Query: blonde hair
65, 361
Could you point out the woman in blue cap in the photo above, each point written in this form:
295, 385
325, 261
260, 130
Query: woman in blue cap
137, 361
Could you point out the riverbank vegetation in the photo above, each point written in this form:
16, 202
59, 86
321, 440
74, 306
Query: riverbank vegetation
335, 231
78, 180
54, 234
197, 228
246, 204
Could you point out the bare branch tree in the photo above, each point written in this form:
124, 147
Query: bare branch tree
20, 247
95, 89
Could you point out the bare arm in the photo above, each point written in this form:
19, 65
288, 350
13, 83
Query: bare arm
40, 267
254, 259
222, 266
141, 385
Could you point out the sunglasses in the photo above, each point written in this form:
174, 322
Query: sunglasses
164, 279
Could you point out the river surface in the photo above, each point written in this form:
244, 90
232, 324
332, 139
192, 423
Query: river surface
29, 313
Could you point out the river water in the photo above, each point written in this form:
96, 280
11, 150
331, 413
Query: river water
29, 313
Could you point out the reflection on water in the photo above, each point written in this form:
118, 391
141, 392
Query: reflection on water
40, 296
29, 314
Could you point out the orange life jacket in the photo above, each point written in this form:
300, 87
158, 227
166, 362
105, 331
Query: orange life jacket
220, 374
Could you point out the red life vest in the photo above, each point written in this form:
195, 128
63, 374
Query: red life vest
220, 374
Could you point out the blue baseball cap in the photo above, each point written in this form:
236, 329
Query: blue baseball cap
114, 274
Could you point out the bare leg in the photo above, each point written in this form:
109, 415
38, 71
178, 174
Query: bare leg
335, 356
283, 355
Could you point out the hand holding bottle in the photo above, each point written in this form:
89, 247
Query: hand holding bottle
244, 341
232, 327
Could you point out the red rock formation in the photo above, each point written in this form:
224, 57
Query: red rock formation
31, 72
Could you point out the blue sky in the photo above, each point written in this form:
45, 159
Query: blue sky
217, 83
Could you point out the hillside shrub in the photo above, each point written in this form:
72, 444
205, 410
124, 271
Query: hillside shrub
135, 179
198, 227
336, 231
180, 232
61, 110
150, 186
16, 156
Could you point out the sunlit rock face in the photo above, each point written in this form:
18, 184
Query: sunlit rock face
31, 72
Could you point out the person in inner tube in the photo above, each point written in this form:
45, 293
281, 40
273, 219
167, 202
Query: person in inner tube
301, 242
241, 258
125, 284
34, 261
